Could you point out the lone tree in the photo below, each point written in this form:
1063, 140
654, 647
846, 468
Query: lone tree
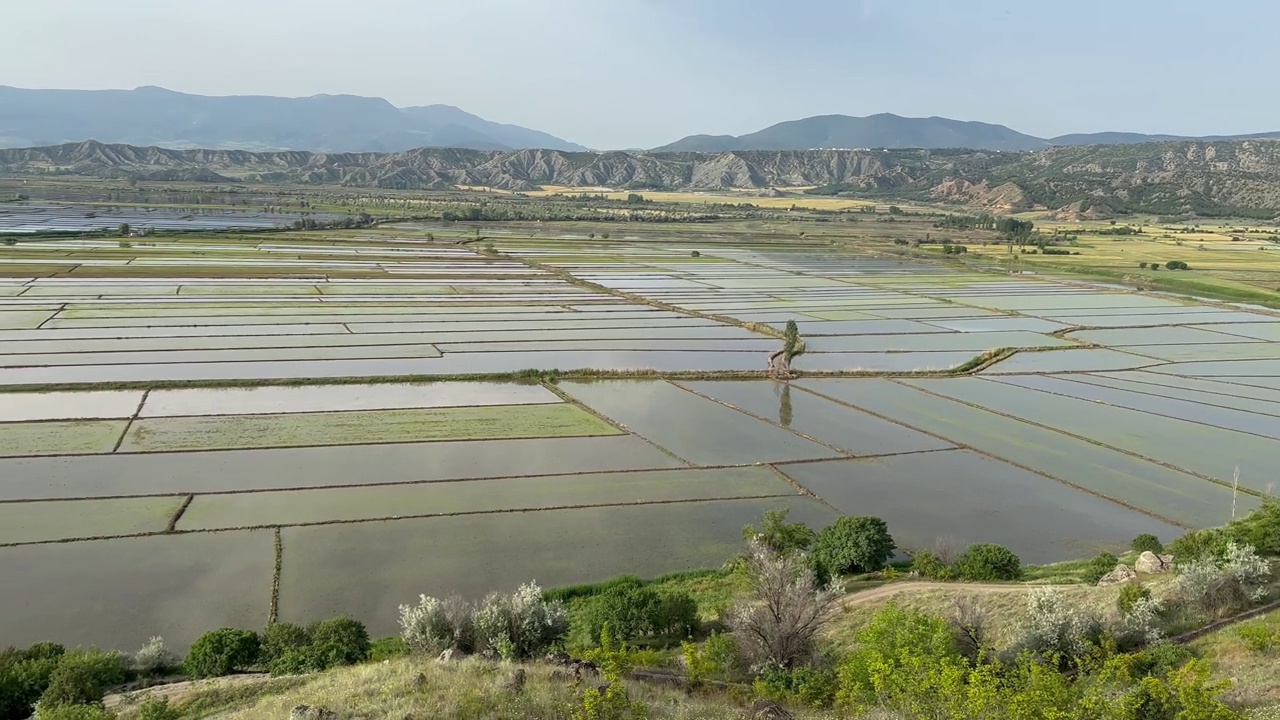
791, 339
779, 622
778, 535
124, 229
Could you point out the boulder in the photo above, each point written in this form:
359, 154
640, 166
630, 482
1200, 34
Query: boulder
450, 655
769, 710
1153, 564
584, 668
1122, 574
515, 683
307, 712
561, 659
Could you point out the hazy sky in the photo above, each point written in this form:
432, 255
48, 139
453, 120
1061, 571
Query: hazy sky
639, 73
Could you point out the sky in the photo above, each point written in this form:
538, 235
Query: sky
641, 73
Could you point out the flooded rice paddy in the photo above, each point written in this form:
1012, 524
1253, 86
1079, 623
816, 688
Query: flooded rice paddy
182, 419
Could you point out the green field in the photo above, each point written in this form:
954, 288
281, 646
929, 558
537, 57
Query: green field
71, 437
219, 432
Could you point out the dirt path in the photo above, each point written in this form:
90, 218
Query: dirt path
178, 690
864, 597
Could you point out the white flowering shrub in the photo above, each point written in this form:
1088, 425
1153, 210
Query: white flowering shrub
518, 625
1213, 586
1253, 573
154, 658
1143, 624
1056, 630
434, 625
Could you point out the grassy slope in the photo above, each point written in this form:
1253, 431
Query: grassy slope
471, 689
1256, 676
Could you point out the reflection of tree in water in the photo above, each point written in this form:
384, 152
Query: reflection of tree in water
784, 406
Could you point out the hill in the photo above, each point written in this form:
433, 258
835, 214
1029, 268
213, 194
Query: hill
892, 131
876, 131
327, 123
1206, 178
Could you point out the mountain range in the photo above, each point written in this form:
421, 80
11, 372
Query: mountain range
886, 130
349, 123
323, 123
1172, 178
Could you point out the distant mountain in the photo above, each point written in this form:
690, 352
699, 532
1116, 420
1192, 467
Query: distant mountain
321, 123
1126, 138
1097, 181
895, 132
876, 131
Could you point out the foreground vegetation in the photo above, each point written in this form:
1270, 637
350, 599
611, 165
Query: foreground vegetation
776, 625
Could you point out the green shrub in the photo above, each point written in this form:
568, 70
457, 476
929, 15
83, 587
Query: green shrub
1160, 660
341, 640
222, 652
73, 712
854, 544
813, 687
1142, 265
387, 648
986, 562
1199, 545
1260, 638
633, 610
928, 564
278, 639
154, 708
1176, 265
1130, 595
695, 253
721, 650
1146, 542
626, 608
83, 677
894, 657
24, 675
1260, 528
677, 615
1099, 567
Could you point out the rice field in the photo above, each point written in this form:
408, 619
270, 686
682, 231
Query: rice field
200, 432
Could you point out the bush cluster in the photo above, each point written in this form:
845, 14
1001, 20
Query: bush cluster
24, 675
949, 249
288, 649
986, 562
222, 652
1146, 542
518, 625
633, 610
1260, 530
983, 562
853, 545
1260, 638
1219, 585
82, 677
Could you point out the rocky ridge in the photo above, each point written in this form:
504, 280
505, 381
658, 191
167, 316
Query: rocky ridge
1087, 181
